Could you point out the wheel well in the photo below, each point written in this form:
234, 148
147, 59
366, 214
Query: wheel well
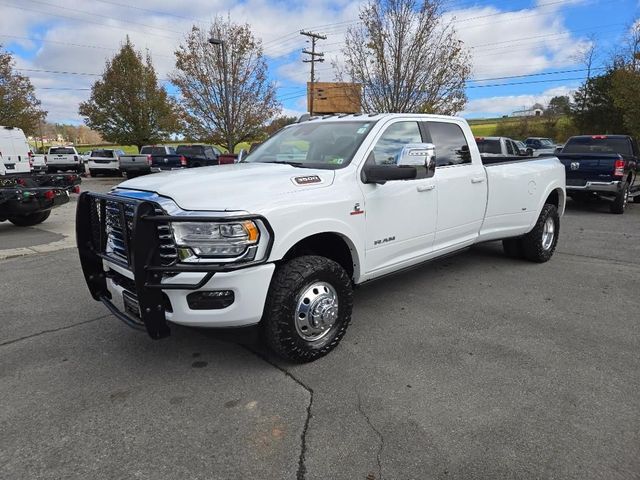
553, 198
329, 245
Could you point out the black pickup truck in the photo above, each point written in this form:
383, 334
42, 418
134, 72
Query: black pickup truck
27, 200
605, 166
187, 156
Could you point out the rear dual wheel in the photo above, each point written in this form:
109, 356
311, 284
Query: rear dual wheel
619, 203
539, 244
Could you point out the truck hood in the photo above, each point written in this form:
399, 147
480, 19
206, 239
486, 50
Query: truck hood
238, 187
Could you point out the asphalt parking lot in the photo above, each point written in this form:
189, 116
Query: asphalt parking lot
474, 366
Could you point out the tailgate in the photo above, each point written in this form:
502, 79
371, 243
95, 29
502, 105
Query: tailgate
166, 161
581, 167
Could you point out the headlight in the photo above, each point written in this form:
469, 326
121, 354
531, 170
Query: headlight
217, 239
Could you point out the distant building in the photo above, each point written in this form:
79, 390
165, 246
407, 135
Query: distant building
535, 111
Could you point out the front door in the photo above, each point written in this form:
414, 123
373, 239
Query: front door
400, 214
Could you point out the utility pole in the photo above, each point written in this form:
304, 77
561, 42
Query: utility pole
314, 57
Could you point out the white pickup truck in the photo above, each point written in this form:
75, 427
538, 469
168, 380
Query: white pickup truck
63, 158
281, 239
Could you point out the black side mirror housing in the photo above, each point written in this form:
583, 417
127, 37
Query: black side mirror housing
384, 173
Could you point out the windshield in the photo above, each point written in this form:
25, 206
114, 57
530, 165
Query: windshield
102, 153
598, 145
546, 142
489, 146
61, 151
319, 144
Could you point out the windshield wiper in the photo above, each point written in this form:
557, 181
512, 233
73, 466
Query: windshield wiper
283, 162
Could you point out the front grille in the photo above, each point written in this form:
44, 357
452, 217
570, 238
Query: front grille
119, 228
113, 232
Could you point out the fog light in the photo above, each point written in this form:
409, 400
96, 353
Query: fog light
210, 300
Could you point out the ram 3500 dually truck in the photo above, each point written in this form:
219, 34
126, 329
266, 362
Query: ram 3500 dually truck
281, 239
606, 166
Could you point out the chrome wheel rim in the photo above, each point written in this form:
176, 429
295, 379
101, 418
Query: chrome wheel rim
548, 233
625, 198
316, 311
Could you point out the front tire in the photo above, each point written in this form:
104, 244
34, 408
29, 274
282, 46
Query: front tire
30, 220
308, 308
620, 202
539, 244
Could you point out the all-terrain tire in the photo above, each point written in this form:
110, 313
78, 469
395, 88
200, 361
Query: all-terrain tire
290, 281
534, 246
513, 247
30, 220
619, 204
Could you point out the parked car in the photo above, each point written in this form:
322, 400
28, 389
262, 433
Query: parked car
27, 199
134, 165
14, 150
62, 159
187, 156
104, 161
498, 147
279, 240
606, 166
540, 146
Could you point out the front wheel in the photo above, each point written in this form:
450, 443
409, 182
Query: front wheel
539, 244
308, 308
619, 204
30, 220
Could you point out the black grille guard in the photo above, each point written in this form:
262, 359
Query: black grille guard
142, 255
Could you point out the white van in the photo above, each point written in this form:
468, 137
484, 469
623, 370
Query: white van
14, 150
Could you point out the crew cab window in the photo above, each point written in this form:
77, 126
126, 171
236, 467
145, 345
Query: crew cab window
598, 144
451, 145
393, 140
489, 146
156, 150
102, 154
61, 151
191, 151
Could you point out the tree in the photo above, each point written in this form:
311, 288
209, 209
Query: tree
559, 105
127, 105
594, 110
279, 123
19, 106
407, 58
200, 74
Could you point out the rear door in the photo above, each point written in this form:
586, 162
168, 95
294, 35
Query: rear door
461, 185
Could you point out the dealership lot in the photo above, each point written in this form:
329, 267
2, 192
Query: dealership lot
475, 366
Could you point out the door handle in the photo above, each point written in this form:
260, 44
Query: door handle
425, 188
477, 180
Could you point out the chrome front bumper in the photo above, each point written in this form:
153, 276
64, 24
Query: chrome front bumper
612, 187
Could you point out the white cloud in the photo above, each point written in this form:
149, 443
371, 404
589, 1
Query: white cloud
500, 49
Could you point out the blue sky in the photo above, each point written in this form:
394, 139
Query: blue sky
62, 45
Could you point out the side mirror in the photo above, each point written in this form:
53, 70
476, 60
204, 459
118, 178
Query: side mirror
417, 155
372, 173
